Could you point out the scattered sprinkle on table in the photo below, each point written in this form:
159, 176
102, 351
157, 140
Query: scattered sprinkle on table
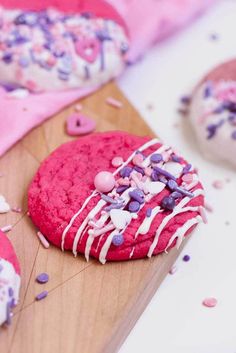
41, 295
114, 102
78, 107
186, 258
209, 302
208, 207
43, 240
173, 270
214, 36
218, 184
7, 228
16, 209
42, 278
203, 214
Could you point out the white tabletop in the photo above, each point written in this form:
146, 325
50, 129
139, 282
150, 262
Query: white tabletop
175, 320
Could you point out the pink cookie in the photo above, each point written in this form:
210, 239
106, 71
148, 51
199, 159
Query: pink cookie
143, 218
9, 279
213, 113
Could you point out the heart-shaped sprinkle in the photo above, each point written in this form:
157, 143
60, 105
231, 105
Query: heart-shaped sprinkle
155, 187
174, 168
4, 207
88, 49
120, 218
79, 124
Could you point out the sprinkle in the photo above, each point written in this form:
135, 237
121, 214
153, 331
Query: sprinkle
41, 295
214, 36
208, 207
149, 212
168, 203
156, 158
186, 258
173, 270
125, 172
218, 184
117, 161
134, 206
43, 240
164, 173
108, 199
203, 214
121, 189
7, 228
16, 209
187, 168
185, 100
19, 93
118, 239
78, 107
137, 195
209, 302
42, 278
233, 135
114, 102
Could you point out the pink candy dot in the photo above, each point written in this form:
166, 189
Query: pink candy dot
104, 181
209, 302
117, 161
218, 184
138, 160
187, 178
148, 171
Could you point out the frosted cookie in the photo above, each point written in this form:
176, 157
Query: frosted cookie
50, 50
9, 279
115, 196
213, 113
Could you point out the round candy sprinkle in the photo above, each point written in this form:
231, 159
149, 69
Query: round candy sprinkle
137, 195
168, 203
42, 278
187, 178
42, 295
176, 194
156, 158
138, 160
186, 258
117, 161
118, 239
134, 206
209, 302
104, 181
149, 212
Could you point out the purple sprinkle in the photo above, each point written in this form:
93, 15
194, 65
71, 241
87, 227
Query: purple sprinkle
185, 100
175, 158
139, 170
165, 173
186, 258
7, 58
114, 206
168, 203
24, 62
231, 106
10, 292
219, 109
8, 313
121, 188
187, 168
162, 179
149, 212
184, 192
125, 172
172, 184
214, 36
233, 135
176, 195
156, 158
108, 198
134, 206
42, 295
154, 176
86, 73
232, 119
118, 239
137, 195
42, 278
124, 48
207, 91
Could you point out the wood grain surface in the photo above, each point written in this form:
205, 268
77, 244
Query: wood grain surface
91, 308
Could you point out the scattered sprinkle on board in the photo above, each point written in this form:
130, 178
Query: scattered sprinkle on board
209, 302
114, 102
43, 240
41, 295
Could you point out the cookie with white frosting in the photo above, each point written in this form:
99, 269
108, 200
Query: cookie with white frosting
115, 196
9, 279
51, 50
213, 113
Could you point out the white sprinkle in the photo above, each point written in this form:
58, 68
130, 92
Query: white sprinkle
43, 240
19, 93
7, 228
114, 102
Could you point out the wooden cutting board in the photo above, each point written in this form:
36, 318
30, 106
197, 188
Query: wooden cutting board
91, 308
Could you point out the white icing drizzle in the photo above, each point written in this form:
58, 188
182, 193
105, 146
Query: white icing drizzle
180, 232
146, 224
177, 210
95, 193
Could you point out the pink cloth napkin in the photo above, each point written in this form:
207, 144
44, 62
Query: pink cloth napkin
146, 22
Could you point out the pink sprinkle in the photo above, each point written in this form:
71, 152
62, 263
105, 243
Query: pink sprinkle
218, 184
173, 270
148, 171
203, 214
187, 178
124, 181
16, 209
117, 161
78, 107
7, 228
114, 102
43, 240
209, 302
138, 160
208, 207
